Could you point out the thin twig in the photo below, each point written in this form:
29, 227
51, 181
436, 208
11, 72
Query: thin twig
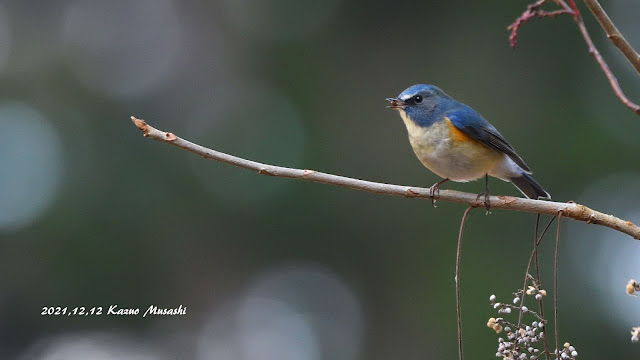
570, 209
526, 273
535, 246
533, 11
614, 34
593, 51
521, 20
458, 303
605, 68
537, 267
517, 307
555, 283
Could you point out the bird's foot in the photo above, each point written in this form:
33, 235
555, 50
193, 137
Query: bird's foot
487, 203
434, 191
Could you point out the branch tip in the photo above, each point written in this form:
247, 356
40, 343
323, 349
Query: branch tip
141, 124
534, 11
574, 7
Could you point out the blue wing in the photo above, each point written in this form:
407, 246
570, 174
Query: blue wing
475, 126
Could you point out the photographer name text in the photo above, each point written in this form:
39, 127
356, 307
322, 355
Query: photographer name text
112, 310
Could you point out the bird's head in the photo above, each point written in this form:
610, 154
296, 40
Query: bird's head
419, 102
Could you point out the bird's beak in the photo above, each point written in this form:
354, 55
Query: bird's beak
396, 103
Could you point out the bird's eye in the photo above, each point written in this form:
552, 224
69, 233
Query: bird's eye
417, 99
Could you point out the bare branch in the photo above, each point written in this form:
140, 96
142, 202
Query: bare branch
533, 11
614, 34
593, 51
570, 209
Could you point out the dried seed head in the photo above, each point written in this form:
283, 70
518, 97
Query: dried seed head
531, 290
491, 322
632, 287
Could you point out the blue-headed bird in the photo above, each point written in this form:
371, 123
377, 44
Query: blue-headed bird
456, 143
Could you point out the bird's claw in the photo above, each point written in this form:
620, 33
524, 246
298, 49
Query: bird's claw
434, 191
487, 203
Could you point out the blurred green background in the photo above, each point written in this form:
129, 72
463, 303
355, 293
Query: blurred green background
93, 214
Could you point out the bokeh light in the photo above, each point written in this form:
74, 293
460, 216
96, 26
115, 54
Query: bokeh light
270, 329
603, 260
31, 160
293, 311
122, 48
94, 346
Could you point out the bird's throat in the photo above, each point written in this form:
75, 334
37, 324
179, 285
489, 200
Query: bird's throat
414, 130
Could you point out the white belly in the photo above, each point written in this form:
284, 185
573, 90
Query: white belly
450, 159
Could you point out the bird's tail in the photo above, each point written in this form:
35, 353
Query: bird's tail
529, 187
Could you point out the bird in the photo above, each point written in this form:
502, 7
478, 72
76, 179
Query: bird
456, 143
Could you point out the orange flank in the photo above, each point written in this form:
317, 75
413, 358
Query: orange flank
456, 134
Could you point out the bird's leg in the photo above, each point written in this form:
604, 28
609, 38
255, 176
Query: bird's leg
487, 203
434, 191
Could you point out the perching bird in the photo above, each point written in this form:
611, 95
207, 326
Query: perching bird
456, 143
